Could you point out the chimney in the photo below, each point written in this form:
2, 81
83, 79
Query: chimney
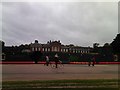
36, 41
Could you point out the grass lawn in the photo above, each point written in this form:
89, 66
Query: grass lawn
100, 84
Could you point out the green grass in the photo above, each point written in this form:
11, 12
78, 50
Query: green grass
60, 84
66, 89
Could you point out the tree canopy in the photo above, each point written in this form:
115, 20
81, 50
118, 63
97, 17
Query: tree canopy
116, 44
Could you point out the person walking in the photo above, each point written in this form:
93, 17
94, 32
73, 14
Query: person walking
47, 60
93, 61
36, 55
56, 59
89, 62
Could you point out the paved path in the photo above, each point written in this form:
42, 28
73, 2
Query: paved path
42, 72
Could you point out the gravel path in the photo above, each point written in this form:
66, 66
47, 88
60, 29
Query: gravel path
42, 72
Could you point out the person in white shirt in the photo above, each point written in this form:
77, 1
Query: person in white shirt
56, 59
47, 60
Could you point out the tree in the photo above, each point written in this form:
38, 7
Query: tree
95, 45
116, 44
2, 44
106, 45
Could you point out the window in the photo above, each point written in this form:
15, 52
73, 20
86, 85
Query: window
48, 49
39, 49
55, 49
33, 49
66, 50
43, 49
36, 49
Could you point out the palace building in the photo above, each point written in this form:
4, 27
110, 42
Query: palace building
56, 46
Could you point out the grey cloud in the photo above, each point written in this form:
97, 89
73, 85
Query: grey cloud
78, 23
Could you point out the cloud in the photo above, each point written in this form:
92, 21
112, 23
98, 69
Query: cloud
79, 23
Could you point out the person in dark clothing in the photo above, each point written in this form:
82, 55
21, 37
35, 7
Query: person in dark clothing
89, 62
36, 55
93, 61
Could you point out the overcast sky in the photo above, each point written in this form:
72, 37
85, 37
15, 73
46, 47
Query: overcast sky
78, 23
